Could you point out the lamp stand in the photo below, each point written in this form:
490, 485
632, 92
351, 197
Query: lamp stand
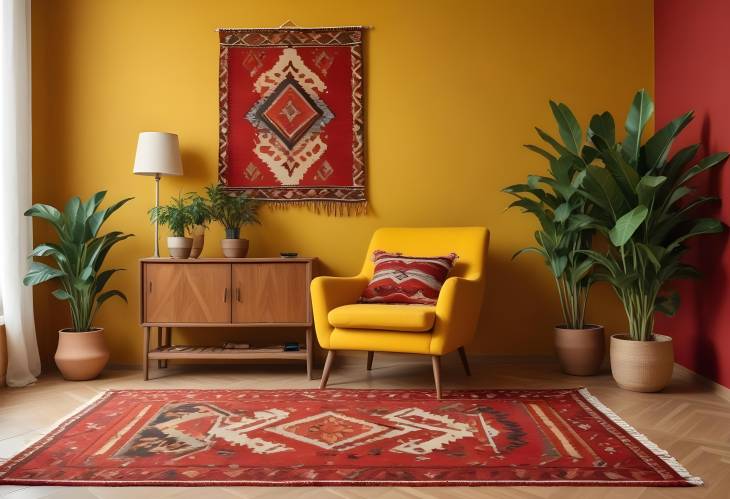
157, 213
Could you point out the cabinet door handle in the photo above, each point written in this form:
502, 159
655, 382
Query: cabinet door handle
238, 294
150, 286
225, 296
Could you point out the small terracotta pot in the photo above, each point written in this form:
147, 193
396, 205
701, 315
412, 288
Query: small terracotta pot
81, 355
642, 366
580, 351
179, 247
235, 248
198, 241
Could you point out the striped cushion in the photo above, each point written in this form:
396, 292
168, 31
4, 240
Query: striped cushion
407, 279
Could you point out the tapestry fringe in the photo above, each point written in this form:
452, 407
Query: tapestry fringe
643, 439
331, 208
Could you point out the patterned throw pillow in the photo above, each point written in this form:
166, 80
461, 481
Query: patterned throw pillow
407, 279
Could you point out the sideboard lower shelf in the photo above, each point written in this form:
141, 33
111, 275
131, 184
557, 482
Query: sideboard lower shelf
210, 353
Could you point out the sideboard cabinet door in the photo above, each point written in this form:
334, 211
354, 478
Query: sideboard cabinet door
271, 292
187, 293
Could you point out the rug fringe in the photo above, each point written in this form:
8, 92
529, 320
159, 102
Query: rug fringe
643, 439
331, 208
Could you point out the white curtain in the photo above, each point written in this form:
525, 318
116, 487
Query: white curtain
15, 193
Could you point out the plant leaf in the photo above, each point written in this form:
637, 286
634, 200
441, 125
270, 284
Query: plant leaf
61, 294
568, 126
562, 212
646, 188
667, 304
657, 147
108, 294
40, 272
604, 127
640, 112
626, 225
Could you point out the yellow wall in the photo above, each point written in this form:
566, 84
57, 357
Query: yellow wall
453, 91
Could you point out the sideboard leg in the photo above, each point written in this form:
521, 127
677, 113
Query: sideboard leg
146, 350
167, 341
310, 353
159, 345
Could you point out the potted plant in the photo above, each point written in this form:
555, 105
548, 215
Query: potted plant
178, 218
564, 230
232, 212
200, 213
79, 255
646, 209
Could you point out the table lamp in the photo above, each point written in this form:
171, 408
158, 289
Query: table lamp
158, 154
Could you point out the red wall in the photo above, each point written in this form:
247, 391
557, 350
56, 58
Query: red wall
693, 72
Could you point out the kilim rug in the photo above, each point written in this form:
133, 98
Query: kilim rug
344, 437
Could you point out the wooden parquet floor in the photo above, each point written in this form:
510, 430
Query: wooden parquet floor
689, 419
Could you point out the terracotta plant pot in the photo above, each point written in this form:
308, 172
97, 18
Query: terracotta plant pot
198, 241
82, 355
235, 248
179, 247
642, 366
580, 351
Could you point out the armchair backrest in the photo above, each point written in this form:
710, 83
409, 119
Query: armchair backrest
470, 243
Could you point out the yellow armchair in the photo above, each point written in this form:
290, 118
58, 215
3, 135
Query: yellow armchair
343, 324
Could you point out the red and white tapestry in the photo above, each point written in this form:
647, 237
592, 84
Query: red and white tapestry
344, 437
291, 116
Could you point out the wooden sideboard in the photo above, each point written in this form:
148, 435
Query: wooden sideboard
223, 292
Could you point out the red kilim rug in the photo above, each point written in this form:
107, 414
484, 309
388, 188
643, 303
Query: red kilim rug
344, 437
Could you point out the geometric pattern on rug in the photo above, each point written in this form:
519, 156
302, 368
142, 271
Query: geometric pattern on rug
344, 437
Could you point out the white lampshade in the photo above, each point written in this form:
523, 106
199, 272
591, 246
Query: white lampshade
158, 153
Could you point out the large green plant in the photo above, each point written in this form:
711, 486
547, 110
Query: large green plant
646, 208
78, 255
199, 209
232, 210
177, 216
563, 214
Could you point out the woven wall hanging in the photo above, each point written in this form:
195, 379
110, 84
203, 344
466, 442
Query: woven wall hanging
291, 116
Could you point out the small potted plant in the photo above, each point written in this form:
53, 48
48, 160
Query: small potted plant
178, 218
232, 212
564, 230
79, 255
645, 208
200, 213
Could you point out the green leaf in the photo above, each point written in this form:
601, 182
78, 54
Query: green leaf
675, 165
102, 278
626, 177
558, 264
559, 148
562, 212
604, 127
61, 294
667, 304
40, 272
46, 212
568, 126
700, 227
542, 152
657, 147
531, 249
93, 203
626, 225
639, 114
702, 165
646, 188
602, 260
108, 294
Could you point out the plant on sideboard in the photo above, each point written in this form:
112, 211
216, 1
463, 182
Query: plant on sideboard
201, 215
78, 256
645, 207
564, 230
232, 211
177, 216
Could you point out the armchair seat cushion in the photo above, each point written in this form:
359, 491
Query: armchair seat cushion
409, 318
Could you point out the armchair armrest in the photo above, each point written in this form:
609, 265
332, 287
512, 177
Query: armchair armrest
329, 293
457, 313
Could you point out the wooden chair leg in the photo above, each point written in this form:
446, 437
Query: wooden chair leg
436, 362
464, 361
370, 360
327, 367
